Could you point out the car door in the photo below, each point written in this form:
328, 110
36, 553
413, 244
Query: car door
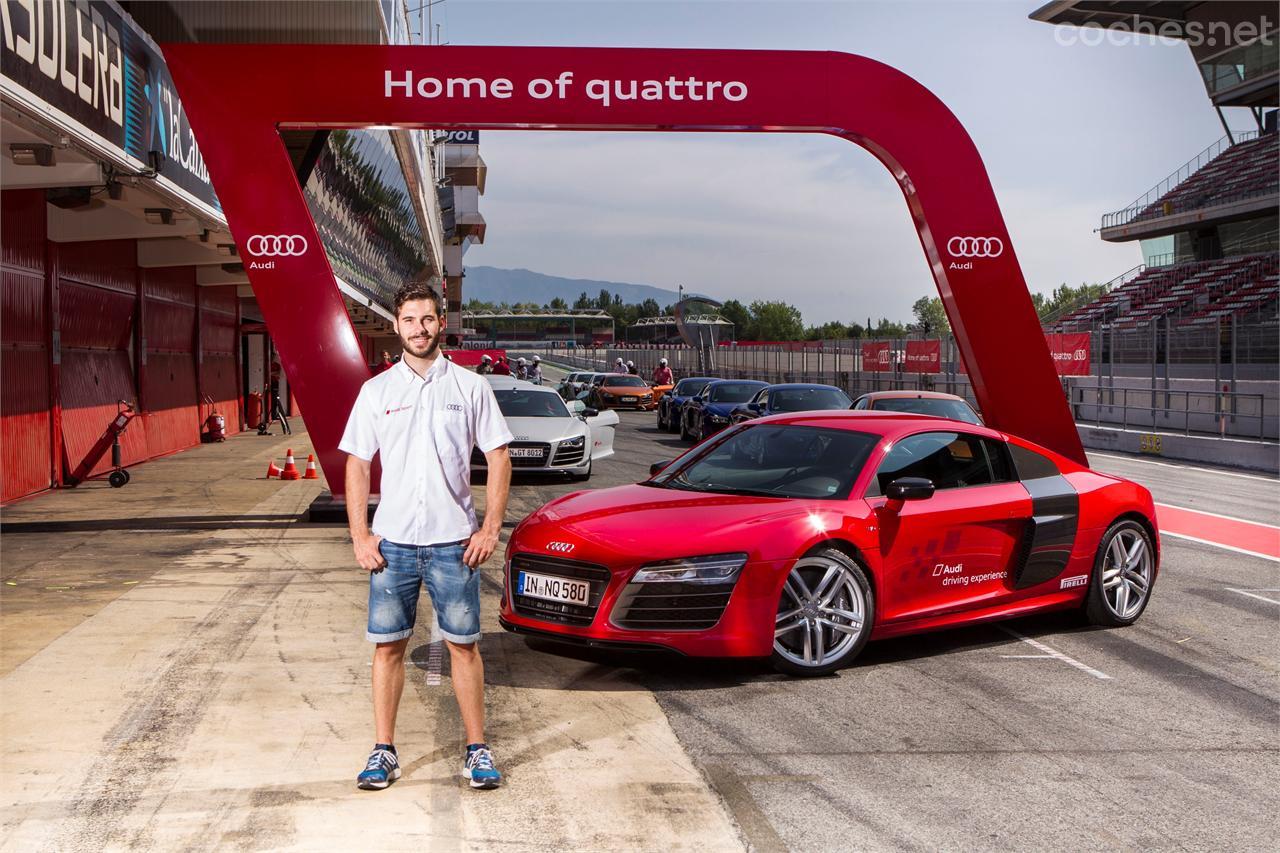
753, 408
959, 548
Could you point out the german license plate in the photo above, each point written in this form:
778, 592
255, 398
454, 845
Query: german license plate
628, 399
552, 589
527, 452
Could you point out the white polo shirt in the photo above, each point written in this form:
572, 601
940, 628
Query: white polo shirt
425, 427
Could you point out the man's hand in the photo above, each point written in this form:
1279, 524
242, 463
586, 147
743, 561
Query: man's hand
367, 553
480, 547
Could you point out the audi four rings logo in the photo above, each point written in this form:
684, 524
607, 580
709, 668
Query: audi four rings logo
277, 245
975, 247
562, 547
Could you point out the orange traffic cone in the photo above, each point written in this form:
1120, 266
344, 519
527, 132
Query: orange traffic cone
290, 471
312, 473
273, 470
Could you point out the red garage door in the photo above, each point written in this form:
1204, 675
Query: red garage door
219, 335
169, 380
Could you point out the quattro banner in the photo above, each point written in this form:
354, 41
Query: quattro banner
924, 356
1070, 353
876, 356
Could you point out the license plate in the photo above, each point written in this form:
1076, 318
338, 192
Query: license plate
552, 589
527, 452
628, 399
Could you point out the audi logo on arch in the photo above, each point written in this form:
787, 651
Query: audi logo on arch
975, 247
276, 245
560, 547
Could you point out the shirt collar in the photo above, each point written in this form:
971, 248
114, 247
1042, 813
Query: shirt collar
436, 371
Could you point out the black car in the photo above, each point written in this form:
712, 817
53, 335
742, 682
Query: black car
707, 412
792, 397
671, 406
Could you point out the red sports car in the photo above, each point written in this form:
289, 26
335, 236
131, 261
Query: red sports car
802, 536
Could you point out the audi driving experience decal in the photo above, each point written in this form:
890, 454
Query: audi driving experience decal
274, 246
973, 247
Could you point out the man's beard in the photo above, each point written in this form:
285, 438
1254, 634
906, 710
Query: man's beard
429, 351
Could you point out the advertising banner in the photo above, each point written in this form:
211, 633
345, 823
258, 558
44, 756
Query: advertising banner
924, 356
1070, 353
875, 356
92, 62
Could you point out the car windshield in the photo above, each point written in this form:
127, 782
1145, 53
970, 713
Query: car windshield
808, 399
956, 410
689, 387
520, 403
626, 382
734, 392
776, 460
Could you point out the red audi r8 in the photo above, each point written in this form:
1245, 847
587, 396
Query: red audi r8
802, 536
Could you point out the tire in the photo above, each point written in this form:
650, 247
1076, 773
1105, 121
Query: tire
1120, 585
117, 479
824, 616
685, 435
662, 422
127, 475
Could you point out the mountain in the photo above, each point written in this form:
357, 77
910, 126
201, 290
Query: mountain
491, 284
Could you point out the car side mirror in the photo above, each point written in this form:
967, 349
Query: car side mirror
909, 489
589, 412
656, 468
577, 407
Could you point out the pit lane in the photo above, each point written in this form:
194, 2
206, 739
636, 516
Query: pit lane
1002, 736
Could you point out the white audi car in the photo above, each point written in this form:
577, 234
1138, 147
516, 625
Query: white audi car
550, 435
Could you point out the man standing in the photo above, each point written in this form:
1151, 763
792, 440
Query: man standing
485, 367
424, 416
384, 365
662, 374
535, 371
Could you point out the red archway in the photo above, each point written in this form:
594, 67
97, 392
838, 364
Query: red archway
238, 97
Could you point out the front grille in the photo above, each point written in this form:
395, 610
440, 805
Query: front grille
570, 455
477, 458
554, 611
671, 606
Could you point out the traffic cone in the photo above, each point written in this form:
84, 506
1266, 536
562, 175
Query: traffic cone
290, 471
273, 470
312, 473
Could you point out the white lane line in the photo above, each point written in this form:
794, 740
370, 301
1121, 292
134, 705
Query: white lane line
1251, 593
1186, 467
1054, 653
1220, 515
1200, 541
435, 655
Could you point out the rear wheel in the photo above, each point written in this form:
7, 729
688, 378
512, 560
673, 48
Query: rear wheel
1123, 573
662, 422
824, 615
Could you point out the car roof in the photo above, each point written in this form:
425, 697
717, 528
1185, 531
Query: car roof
906, 395
528, 386
803, 385
888, 424
741, 382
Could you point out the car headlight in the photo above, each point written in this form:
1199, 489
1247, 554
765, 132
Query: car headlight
574, 442
715, 568
717, 419
606, 395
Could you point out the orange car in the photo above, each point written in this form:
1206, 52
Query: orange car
623, 391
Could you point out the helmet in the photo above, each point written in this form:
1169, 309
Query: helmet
520, 360
486, 358
662, 362
536, 359
631, 364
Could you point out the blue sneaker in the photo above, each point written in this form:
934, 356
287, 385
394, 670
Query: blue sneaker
479, 768
382, 769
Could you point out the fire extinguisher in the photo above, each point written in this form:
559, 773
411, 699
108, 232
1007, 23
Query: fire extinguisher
253, 410
215, 425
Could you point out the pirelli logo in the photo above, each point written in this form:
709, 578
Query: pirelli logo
1075, 580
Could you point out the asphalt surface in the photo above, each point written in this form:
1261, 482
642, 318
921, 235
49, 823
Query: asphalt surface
1036, 734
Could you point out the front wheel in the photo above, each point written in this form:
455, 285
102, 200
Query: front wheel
824, 615
685, 435
1123, 573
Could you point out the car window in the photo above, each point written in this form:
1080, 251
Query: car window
1001, 465
956, 410
626, 382
733, 392
949, 460
689, 387
1031, 465
759, 398
807, 399
518, 403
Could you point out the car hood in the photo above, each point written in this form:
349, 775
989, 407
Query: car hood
545, 429
722, 409
630, 391
632, 524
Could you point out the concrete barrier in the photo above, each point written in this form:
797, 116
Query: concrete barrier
1233, 453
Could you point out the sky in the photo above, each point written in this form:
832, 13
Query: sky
1067, 133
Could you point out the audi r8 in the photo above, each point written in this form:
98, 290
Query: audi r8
709, 410
621, 391
671, 406
934, 403
803, 536
791, 397
550, 436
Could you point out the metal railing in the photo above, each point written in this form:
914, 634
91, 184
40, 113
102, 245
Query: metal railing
1201, 412
1135, 210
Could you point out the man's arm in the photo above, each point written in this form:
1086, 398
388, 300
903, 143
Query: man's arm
484, 542
364, 542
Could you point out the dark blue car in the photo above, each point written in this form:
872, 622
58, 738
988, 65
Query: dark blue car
710, 410
671, 406
792, 397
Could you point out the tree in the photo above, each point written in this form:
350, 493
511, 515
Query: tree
558, 304
833, 330
888, 329
931, 317
650, 308
736, 313
1066, 298
604, 300
777, 321
584, 301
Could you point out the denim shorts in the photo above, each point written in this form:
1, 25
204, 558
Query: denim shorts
393, 592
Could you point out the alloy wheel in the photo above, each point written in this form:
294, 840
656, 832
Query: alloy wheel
821, 615
1127, 574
